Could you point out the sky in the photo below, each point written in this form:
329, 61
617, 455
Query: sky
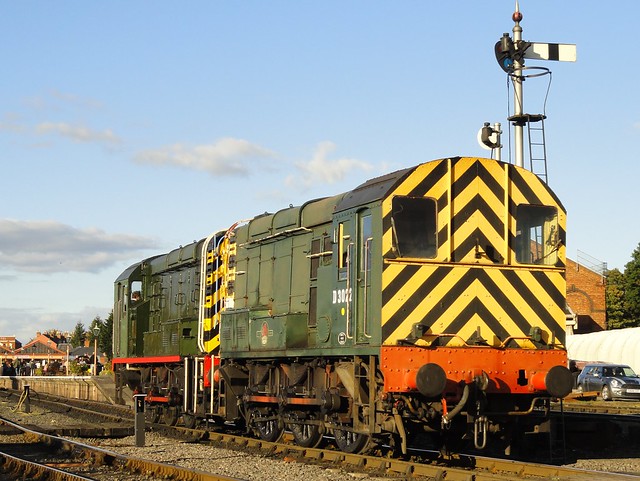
128, 128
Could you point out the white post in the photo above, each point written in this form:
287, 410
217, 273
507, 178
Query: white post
95, 356
498, 149
96, 333
518, 100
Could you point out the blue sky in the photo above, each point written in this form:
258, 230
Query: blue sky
128, 128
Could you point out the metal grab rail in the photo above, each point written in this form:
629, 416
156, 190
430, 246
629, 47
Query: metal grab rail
365, 307
348, 296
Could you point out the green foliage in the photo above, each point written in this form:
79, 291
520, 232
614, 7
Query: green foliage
78, 369
105, 335
106, 370
53, 368
614, 297
77, 338
632, 286
105, 343
623, 294
95, 324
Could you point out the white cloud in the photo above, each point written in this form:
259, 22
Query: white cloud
79, 133
55, 100
12, 122
227, 156
320, 169
85, 103
48, 247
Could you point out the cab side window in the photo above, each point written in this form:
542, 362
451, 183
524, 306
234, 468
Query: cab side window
136, 292
414, 226
537, 237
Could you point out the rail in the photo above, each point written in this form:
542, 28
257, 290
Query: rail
98, 456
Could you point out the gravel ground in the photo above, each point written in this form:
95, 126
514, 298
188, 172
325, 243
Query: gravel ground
626, 465
227, 462
247, 466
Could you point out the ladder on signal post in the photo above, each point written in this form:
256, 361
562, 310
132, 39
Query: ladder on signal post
537, 142
537, 146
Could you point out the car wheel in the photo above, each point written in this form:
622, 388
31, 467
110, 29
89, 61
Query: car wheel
606, 393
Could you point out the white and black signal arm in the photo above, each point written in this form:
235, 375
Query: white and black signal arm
507, 52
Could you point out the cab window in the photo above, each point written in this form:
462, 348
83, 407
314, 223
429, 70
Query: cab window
365, 243
537, 238
344, 241
414, 226
136, 292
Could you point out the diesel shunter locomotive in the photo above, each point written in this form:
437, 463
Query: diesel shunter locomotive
428, 300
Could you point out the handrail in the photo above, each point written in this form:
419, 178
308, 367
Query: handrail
365, 307
203, 289
348, 289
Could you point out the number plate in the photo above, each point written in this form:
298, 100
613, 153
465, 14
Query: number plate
633, 391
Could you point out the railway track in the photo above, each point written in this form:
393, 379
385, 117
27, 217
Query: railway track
588, 402
43, 456
37, 455
427, 467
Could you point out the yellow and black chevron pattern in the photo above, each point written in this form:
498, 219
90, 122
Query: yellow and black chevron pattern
220, 275
474, 283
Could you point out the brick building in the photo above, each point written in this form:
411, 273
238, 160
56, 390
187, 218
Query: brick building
586, 298
9, 343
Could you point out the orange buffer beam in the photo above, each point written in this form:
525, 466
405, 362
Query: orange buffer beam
509, 371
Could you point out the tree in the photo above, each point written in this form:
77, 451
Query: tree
614, 298
622, 294
632, 287
106, 336
96, 323
77, 338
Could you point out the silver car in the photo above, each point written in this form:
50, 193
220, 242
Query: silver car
613, 381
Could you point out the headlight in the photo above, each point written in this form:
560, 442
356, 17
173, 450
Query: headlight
615, 383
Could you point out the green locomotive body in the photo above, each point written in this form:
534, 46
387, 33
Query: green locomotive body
156, 305
289, 299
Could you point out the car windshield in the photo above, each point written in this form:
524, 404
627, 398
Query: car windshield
619, 371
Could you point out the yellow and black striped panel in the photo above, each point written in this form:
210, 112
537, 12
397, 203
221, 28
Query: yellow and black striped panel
220, 275
474, 281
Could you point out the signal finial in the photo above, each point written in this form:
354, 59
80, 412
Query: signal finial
517, 16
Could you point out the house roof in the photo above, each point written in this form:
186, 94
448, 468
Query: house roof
40, 345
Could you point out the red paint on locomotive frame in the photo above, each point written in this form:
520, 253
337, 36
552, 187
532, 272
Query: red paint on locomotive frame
146, 360
157, 399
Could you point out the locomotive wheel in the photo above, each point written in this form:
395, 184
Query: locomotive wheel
306, 435
170, 416
151, 414
268, 430
350, 442
190, 420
